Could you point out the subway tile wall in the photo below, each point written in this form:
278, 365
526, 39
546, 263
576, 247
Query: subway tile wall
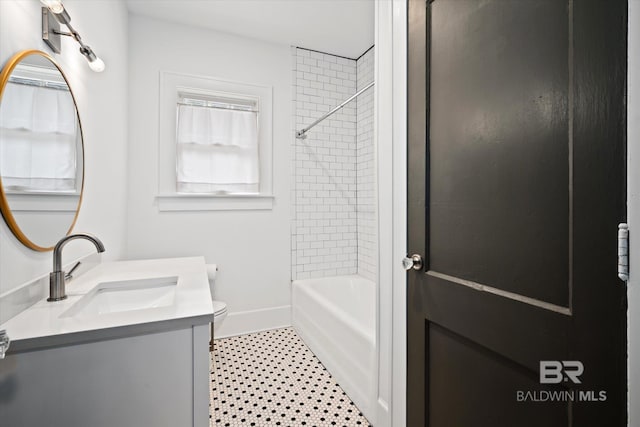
324, 237
325, 229
365, 172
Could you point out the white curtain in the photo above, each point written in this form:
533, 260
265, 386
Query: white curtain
38, 131
217, 150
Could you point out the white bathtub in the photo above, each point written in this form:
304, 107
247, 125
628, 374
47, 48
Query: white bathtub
336, 318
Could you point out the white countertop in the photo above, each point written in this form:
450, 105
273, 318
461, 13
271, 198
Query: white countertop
41, 325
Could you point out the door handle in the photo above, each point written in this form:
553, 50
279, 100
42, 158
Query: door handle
414, 261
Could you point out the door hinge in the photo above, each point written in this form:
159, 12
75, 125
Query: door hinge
623, 251
4, 343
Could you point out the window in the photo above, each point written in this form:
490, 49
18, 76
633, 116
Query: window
217, 145
215, 148
39, 134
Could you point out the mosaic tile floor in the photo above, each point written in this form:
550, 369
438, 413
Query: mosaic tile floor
272, 379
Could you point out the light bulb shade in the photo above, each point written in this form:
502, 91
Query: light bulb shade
54, 6
97, 65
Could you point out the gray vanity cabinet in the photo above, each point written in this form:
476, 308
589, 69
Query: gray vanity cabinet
153, 378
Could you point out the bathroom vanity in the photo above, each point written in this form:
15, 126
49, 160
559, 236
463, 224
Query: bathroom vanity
128, 347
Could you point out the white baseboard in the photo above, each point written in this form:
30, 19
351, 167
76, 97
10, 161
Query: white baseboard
246, 322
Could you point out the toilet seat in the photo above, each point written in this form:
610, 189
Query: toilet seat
219, 309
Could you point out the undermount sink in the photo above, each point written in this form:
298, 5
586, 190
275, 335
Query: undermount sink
125, 295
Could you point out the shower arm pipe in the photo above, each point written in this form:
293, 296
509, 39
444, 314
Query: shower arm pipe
301, 134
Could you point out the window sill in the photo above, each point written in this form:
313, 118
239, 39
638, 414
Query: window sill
43, 201
210, 202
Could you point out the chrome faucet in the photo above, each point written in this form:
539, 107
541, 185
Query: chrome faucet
57, 277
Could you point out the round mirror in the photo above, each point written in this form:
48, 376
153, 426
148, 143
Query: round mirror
41, 150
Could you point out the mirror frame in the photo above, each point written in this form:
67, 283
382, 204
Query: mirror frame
5, 209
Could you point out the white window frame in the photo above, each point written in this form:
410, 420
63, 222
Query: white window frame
168, 199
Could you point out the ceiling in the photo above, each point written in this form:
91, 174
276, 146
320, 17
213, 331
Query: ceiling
339, 27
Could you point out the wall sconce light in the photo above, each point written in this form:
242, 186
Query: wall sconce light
55, 14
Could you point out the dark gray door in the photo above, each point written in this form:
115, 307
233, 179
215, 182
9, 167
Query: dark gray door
516, 188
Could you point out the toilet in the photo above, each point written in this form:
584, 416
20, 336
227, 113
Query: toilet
219, 307
219, 313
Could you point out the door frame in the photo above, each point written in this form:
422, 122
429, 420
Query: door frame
391, 116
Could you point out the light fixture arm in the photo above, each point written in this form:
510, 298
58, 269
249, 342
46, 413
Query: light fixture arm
51, 20
73, 34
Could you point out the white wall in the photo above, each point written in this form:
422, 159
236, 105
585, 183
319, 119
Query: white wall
633, 160
102, 104
251, 248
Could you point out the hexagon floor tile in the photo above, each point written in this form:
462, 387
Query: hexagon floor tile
271, 378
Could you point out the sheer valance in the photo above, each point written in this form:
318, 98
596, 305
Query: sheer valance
217, 149
38, 137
